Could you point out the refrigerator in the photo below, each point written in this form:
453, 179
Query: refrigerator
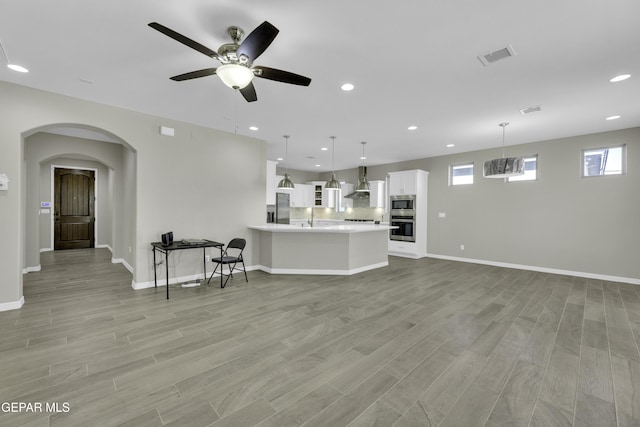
282, 208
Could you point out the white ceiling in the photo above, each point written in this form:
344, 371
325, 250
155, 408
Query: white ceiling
413, 62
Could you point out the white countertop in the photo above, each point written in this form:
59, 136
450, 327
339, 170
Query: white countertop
355, 228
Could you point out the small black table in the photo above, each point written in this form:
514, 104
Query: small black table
179, 245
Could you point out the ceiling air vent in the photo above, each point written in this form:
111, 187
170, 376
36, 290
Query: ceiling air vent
496, 55
530, 109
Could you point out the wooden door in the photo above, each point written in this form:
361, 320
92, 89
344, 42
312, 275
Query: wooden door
74, 209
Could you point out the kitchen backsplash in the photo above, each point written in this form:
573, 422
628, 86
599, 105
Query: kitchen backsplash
375, 214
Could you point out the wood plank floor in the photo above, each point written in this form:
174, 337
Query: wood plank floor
419, 343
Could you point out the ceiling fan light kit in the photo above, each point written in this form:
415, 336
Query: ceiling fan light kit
235, 76
504, 167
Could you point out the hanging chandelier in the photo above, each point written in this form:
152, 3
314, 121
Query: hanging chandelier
504, 167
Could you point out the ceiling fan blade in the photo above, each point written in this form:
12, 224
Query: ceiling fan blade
282, 76
249, 93
194, 74
258, 41
184, 40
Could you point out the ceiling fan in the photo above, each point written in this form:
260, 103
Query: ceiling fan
237, 70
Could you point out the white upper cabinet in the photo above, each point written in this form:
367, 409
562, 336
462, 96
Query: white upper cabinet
403, 182
377, 195
320, 196
302, 196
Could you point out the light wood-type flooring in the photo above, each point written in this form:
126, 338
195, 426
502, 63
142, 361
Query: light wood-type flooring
420, 343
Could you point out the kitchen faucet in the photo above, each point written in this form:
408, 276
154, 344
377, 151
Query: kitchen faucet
310, 220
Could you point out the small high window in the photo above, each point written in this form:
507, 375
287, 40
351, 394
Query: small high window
530, 170
461, 174
604, 161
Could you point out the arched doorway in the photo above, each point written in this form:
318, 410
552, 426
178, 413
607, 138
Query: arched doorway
76, 146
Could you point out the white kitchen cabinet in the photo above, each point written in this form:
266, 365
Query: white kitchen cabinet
413, 182
377, 194
272, 183
321, 198
302, 196
403, 182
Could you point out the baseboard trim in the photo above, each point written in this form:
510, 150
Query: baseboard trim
305, 271
630, 280
15, 305
181, 279
45, 250
31, 269
123, 262
407, 255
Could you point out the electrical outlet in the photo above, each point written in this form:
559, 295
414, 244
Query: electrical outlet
207, 258
462, 247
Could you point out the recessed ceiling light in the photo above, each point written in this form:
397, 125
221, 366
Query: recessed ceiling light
347, 87
620, 78
412, 127
253, 127
324, 148
450, 145
363, 158
279, 159
18, 68
317, 166
612, 117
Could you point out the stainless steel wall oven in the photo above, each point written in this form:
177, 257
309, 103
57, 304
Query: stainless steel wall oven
403, 216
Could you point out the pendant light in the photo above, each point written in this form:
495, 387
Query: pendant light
505, 166
286, 183
363, 183
333, 183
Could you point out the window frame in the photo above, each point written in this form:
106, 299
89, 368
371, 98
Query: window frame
516, 179
623, 160
455, 165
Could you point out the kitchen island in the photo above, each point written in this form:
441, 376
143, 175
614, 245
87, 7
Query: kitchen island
334, 250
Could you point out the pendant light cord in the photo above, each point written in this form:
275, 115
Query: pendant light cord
286, 152
333, 155
503, 126
363, 156
3, 55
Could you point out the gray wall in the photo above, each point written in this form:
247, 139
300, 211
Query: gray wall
192, 198
298, 176
561, 221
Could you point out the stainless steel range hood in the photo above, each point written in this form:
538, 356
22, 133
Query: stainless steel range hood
358, 195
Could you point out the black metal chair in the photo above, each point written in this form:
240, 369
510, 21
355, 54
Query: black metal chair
232, 256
